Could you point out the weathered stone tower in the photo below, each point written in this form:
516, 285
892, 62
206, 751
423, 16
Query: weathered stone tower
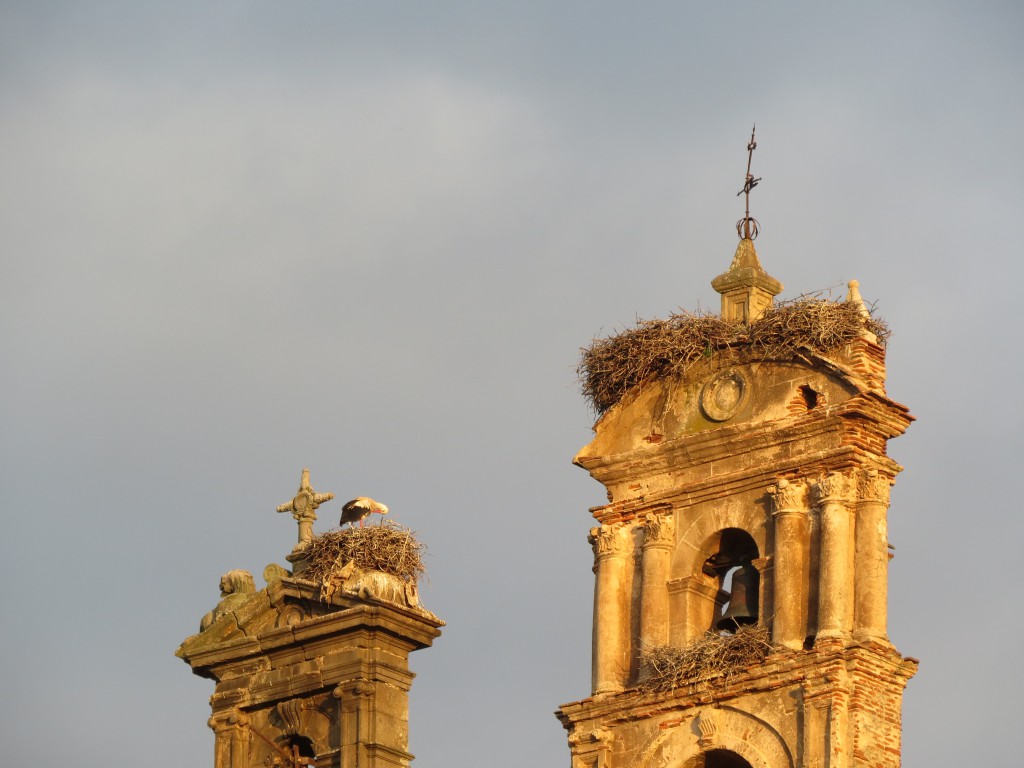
313, 669
749, 486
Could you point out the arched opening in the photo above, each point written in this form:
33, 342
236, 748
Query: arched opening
737, 602
722, 758
299, 748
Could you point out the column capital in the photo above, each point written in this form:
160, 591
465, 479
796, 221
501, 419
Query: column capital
833, 487
873, 486
659, 530
789, 497
607, 541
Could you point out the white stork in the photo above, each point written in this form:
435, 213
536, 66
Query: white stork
359, 509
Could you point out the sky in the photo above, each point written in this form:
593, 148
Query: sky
242, 238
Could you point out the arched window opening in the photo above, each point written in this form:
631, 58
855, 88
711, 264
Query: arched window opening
738, 580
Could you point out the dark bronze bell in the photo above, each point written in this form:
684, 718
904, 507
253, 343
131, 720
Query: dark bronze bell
742, 600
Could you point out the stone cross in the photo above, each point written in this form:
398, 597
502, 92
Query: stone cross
303, 507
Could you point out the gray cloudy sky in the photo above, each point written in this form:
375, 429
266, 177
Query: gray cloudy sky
239, 238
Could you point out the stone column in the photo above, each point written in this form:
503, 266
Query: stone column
611, 612
789, 627
835, 580
871, 587
657, 563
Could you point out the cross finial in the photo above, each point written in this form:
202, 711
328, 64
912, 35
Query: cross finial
303, 507
747, 228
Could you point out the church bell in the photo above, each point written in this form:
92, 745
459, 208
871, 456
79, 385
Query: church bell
742, 600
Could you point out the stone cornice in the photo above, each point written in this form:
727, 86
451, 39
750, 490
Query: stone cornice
757, 477
731, 442
779, 670
407, 629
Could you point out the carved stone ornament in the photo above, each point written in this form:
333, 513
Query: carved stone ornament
349, 688
595, 736
238, 718
707, 724
658, 529
832, 486
788, 496
289, 716
236, 588
290, 615
874, 487
605, 540
363, 688
723, 395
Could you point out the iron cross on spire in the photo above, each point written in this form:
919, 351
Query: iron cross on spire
747, 228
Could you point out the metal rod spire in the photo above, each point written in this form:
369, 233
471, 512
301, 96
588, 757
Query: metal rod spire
747, 227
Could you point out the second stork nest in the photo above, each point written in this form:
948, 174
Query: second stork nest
660, 349
713, 655
388, 547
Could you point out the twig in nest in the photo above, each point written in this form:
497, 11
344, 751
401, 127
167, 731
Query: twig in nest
388, 547
660, 349
713, 655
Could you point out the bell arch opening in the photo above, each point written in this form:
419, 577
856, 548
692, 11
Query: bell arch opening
721, 758
717, 758
299, 748
737, 601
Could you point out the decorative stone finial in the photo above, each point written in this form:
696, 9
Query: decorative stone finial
854, 297
747, 290
303, 508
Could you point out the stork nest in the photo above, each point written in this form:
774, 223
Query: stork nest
388, 547
660, 349
713, 655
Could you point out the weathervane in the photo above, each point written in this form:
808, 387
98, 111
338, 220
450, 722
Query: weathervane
747, 228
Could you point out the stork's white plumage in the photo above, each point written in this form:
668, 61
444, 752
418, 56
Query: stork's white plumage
359, 509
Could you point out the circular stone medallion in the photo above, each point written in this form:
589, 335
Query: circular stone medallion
722, 397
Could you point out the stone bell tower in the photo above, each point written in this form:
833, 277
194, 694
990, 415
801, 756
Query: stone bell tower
313, 670
748, 487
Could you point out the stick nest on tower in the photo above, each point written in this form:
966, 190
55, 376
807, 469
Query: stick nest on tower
388, 547
661, 349
713, 655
